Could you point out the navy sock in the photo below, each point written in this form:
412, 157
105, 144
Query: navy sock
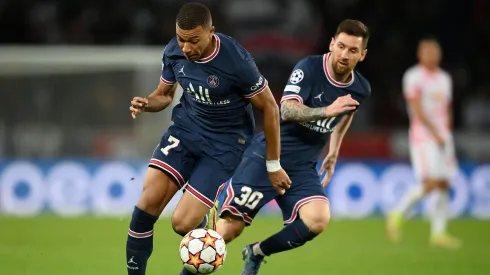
291, 236
186, 272
140, 241
204, 222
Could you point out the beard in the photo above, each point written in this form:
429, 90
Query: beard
342, 69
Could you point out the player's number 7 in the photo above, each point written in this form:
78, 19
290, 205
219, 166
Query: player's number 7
174, 142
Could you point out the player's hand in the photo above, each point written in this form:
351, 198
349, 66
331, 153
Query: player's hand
328, 165
341, 105
280, 181
138, 105
440, 141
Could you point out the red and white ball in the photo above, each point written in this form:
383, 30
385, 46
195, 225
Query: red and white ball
202, 251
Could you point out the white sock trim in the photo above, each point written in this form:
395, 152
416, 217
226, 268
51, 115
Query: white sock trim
257, 250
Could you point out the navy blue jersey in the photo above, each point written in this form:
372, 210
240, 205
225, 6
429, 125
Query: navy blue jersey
311, 84
217, 91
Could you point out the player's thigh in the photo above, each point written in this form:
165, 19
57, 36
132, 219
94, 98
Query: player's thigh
305, 200
173, 156
202, 187
248, 191
427, 161
169, 168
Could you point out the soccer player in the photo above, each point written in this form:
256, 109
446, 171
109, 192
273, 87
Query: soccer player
319, 102
428, 92
212, 126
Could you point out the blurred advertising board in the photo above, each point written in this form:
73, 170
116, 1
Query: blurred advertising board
359, 189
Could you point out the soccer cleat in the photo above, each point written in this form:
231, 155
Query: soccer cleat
186, 272
393, 226
445, 241
252, 262
212, 216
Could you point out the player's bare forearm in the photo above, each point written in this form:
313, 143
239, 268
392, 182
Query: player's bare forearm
292, 110
160, 98
416, 107
265, 101
272, 132
339, 133
450, 116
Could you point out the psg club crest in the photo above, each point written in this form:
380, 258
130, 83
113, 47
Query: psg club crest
213, 81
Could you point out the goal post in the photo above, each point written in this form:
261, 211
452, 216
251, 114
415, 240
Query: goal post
74, 101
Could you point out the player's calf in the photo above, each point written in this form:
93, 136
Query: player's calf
314, 217
229, 227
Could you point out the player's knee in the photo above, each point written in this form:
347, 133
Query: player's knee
432, 184
443, 184
317, 221
150, 203
229, 227
182, 226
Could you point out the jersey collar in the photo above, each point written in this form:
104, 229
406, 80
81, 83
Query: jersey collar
330, 78
214, 54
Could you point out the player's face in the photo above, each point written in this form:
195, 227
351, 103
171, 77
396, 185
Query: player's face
429, 54
194, 43
346, 51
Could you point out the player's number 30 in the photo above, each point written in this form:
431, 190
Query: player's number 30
248, 198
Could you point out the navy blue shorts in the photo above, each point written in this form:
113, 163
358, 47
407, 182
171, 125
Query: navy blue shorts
250, 189
199, 165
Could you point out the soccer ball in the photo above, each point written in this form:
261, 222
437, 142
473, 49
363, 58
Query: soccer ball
202, 251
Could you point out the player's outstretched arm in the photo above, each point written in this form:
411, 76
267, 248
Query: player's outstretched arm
293, 110
155, 102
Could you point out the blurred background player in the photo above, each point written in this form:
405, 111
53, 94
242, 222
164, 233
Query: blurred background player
428, 92
319, 102
213, 124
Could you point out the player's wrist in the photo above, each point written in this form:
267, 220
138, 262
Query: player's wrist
273, 165
326, 112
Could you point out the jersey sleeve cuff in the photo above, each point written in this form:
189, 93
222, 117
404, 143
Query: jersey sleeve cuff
413, 93
258, 90
289, 97
166, 82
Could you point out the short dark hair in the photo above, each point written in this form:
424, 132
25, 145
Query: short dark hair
429, 38
355, 28
192, 15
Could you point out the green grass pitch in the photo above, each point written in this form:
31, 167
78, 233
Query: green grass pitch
76, 246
